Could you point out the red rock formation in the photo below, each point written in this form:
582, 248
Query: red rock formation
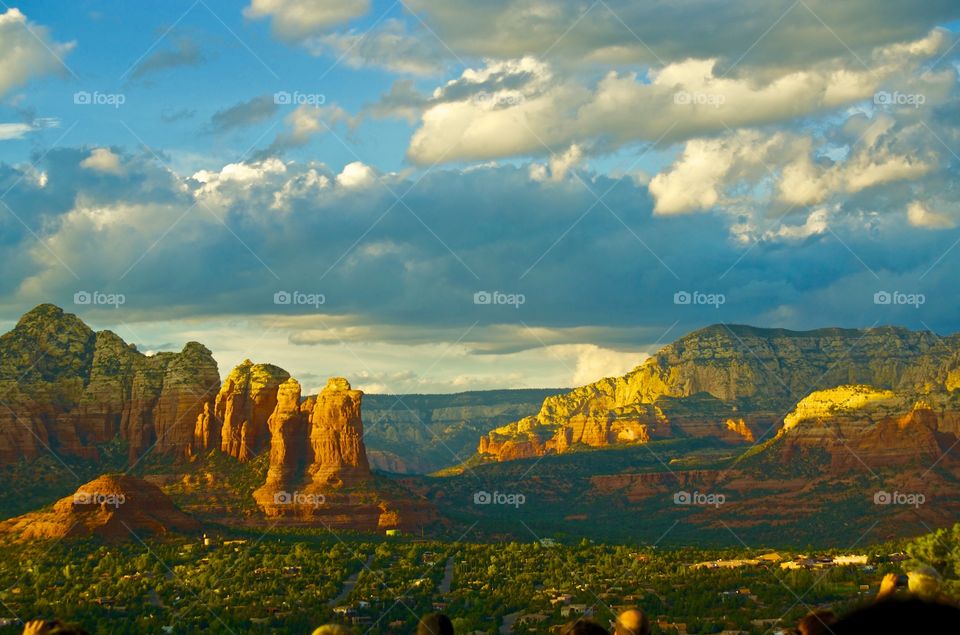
319, 473
699, 382
111, 507
190, 381
288, 444
243, 405
71, 390
337, 453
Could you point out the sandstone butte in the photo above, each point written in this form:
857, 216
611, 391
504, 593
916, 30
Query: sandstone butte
879, 387
70, 390
111, 507
318, 465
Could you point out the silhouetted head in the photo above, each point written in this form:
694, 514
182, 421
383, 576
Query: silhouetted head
899, 616
816, 622
584, 626
632, 622
435, 624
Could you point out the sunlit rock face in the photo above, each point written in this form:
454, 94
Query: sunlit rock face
729, 382
244, 404
70, 390
111, 507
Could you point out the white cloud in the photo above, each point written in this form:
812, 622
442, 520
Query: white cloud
295, 20
816, 223
920, 215
592, 362
10, 131
303, 123
26, 50
356, 174
523, 107
103, 160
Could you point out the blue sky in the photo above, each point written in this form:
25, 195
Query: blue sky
618, 172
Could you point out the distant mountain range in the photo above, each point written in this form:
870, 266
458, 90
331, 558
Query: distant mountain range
882, 394
734, 430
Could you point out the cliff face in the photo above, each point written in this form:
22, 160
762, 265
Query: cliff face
864, 428
68, 389
733, 382
336, 436
243, 406
319, 472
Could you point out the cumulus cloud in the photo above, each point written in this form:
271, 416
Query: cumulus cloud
522, 106
776, 35
295, 20
356, 174
919, 214
14, 130
103, 160
26, 50
304, 123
